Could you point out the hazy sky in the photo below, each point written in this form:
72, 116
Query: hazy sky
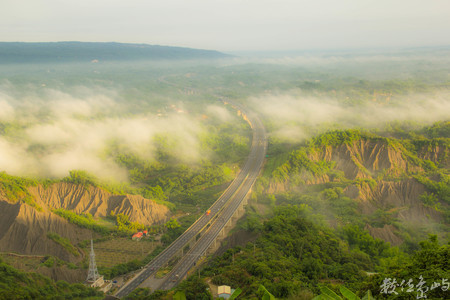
231, 25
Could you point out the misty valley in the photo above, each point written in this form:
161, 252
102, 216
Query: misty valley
133, 146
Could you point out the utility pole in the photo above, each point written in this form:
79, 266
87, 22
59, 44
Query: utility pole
93, 272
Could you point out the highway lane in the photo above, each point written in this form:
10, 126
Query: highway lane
256, 160
237, 190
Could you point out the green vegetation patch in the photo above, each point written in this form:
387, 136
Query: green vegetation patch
82, 220
15, 189
339, 137
439, 189
49, 262
123, 224
63, 242
82, 178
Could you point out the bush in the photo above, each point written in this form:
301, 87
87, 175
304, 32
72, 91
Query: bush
63, 242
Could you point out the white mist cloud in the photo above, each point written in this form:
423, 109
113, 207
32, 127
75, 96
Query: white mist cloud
82, 102
13, 158
308, 110
317, 60
219, 112
291, 114
290, 133
6, 110
63, 132
48, 134
58, 164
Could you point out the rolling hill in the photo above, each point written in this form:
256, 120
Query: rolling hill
20, 52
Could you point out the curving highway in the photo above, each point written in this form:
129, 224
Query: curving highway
221, 212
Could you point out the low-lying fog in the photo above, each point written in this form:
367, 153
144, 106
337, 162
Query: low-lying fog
294, 117
48, 130
49, 133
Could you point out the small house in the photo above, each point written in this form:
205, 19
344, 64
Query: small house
224, 291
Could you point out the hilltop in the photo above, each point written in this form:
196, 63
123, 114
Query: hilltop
20, 52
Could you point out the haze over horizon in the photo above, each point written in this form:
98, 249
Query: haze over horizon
231, 26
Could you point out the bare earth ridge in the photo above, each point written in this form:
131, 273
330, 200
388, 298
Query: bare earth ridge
23, 229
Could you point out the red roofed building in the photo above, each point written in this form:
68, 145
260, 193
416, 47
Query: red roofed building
137, 235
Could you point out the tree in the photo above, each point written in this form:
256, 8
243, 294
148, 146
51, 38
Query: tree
172, 224
195, 289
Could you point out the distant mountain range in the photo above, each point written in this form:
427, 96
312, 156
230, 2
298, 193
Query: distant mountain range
19, 52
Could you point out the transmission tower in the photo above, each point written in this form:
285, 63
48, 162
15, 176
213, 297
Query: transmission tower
93, 272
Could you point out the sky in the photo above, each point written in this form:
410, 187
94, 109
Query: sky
232, 25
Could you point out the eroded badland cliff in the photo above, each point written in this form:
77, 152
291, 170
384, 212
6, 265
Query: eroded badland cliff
378, 174
24, 229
